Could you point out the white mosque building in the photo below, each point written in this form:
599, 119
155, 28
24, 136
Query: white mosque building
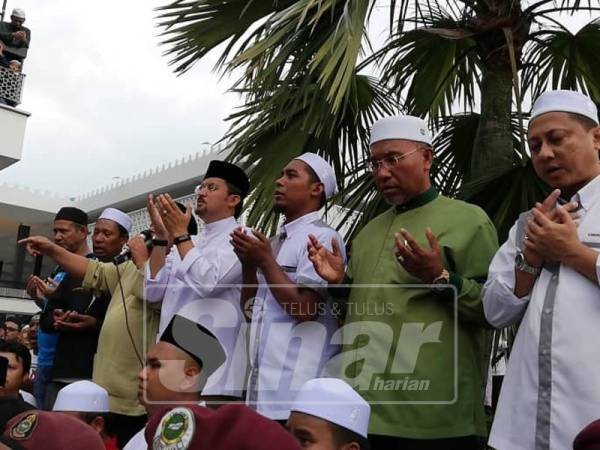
25, 212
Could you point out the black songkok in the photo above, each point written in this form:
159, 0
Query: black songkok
197, 341
73, 215
230, 173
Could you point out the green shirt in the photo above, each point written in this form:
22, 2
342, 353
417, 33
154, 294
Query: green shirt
434, 389
116, 366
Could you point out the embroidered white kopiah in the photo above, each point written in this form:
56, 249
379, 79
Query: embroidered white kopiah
409, 128
564, 101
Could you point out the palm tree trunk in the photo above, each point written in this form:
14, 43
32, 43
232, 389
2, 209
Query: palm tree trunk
493, 147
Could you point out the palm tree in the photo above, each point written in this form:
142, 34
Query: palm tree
312, 81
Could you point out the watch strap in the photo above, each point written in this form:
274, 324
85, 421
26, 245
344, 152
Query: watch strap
442, 278
183, 238
522, 265
160, 242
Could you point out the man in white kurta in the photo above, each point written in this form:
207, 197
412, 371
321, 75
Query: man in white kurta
546, 277
201, 276
292, 320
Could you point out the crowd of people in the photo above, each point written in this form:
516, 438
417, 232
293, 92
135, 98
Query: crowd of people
222, 337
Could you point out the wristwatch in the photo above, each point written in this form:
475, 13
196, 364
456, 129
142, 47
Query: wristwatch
183, 238
160, 242
441, 280
521, 265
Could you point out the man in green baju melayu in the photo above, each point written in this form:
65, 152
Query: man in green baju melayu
414, 332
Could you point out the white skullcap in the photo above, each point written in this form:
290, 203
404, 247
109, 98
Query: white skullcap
409, 128
323, 170
335, 401
82, 396
18, 13
117, 216
564, 101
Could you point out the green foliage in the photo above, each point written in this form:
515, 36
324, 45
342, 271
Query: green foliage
311, 81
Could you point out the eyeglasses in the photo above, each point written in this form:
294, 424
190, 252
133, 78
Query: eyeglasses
210, 187
389, 161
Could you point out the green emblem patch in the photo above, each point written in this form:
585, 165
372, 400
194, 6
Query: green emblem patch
23, 429
175, 431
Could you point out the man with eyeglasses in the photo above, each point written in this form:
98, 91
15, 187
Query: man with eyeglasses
200, 277
415, 351
11, 331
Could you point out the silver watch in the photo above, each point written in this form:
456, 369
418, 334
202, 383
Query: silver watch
521, 265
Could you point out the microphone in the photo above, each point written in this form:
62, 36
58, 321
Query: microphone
125, 254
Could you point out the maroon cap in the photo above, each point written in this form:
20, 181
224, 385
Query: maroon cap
231, 427
589, 437
52, 431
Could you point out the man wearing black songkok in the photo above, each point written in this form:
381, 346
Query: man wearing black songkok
202, 275
71, 318
177, 368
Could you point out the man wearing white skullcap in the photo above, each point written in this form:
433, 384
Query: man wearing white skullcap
292, 320
329, 415
87, 402
129, 328
422, 396
545, 278
15, 36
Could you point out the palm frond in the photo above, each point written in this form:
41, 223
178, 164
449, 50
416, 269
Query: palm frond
267, 134
432, 67
562, 60
192, 28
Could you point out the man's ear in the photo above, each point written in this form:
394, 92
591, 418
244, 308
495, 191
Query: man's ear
350, 446
596, 137
191, 382
428, 157
97, 424
26, 378
233, 200
317, 189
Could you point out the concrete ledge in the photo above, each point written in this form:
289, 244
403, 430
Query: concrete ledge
12, 134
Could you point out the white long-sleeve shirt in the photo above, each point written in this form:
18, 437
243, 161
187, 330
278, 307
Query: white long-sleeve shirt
551, 389
285, 353
205, 287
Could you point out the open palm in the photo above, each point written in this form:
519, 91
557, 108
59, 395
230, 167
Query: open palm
328, 264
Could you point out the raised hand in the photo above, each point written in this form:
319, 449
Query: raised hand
139, 251
329, 265
75, 321
32, 287
425, 264
254, 250
174, 220
47, 288
553, 240
58, 315
158, 227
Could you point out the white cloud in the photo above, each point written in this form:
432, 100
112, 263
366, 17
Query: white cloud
103, 99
